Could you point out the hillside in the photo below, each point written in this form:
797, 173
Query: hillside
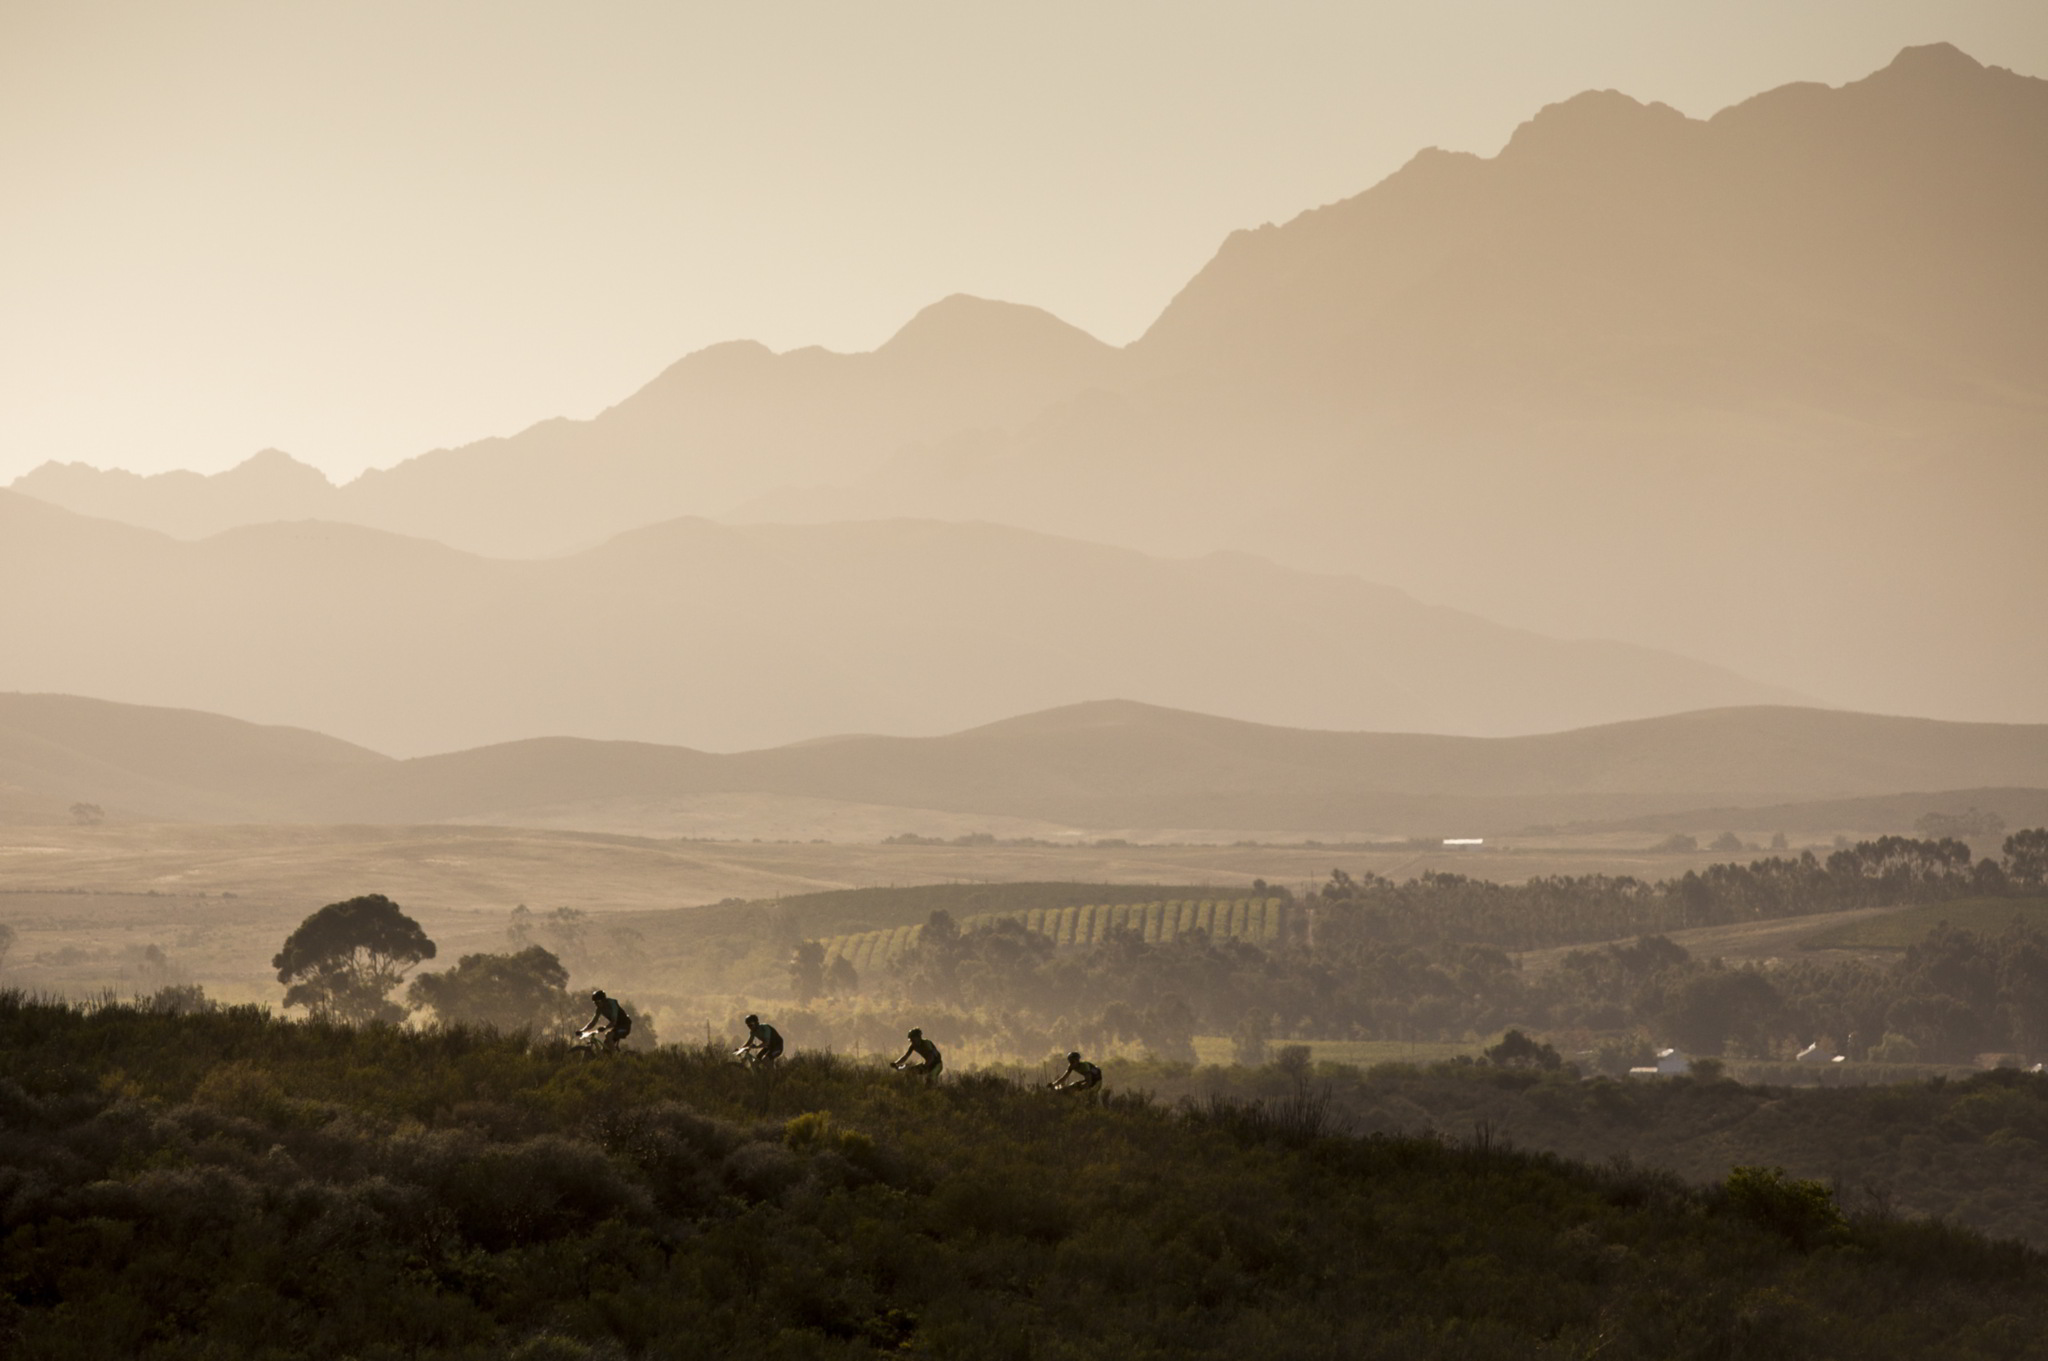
714, 429
1101, 766
713, 636
160, 763
1869, 1140
225, 1181
1871, 813
1124, 765
1766, 387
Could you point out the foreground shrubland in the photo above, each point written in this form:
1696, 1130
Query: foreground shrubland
225, 1184
1968, 1150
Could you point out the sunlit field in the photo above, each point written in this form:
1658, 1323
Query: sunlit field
1898, 930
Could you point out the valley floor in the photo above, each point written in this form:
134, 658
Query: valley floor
216, 901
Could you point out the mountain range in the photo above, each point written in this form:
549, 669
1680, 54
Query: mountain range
1093, 767
1768, 388
729, 637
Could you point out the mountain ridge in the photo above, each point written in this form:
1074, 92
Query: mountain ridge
1692, 394
722, 636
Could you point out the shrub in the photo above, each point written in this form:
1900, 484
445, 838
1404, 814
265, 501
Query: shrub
1803, 1211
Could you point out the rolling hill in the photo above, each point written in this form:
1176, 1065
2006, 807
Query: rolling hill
727, 637
135, 762
1094, 767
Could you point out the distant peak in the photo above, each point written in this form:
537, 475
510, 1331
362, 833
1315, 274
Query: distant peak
1933, 59
275, 465
1596, 122
983, 324
270, 458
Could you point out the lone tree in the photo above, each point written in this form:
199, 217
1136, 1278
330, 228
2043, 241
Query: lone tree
344, 960
527, 990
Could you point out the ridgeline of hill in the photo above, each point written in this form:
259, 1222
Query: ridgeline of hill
224, 1181
1557, 386
735, 637
1104, 765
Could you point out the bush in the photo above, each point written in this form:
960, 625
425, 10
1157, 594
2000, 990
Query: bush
1803, 1212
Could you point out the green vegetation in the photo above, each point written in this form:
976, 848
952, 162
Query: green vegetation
1009, 991
508, 991
1259, 920
1966, 1149
344, 960
1898, 930
850, 911
223, 1183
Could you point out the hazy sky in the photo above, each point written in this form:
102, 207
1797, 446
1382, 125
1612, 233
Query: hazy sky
359, 230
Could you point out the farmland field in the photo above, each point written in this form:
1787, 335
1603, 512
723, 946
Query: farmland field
88, 903
1907, 926
1259, 920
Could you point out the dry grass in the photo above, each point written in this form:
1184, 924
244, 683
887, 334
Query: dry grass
1739, 941
1907, 926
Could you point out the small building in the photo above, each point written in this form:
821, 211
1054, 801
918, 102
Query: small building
1670, 1063
1463, 843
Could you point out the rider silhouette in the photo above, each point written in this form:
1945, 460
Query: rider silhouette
1081, 1075
764, 1042
926, 1051
611, 1020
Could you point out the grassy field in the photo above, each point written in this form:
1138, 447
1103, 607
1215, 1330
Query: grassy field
1750, 942
1896, 930
498, 866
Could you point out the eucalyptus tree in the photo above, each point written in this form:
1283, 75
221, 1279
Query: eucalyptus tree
344, 960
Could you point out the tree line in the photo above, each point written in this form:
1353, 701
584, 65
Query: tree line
1430, 958
1434, 959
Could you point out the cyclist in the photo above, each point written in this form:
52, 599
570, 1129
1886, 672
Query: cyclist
1081, 1075
928, 1053
611, 1021
764, 1043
